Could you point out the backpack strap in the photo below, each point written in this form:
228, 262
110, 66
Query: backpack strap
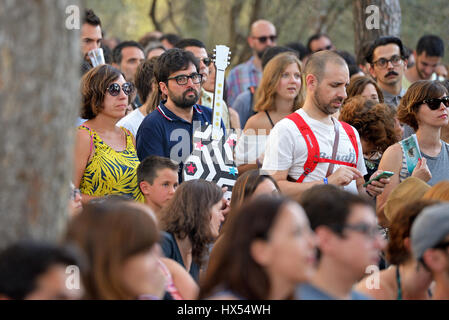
351, 134
313, 149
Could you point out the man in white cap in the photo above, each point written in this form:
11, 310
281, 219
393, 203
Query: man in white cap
430, 245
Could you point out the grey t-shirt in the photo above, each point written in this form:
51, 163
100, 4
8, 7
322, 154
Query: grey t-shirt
310, 292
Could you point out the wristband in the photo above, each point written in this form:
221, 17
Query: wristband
325, 181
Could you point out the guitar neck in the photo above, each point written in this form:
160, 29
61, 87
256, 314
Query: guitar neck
218, 106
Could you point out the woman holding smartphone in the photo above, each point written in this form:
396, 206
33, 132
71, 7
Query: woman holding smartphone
424, 107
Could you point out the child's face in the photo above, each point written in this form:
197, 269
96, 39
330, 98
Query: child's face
163, 187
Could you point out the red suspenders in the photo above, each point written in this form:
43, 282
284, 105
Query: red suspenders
313, 148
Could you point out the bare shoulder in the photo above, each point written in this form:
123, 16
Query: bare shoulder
384, 289
392, 157
257, 121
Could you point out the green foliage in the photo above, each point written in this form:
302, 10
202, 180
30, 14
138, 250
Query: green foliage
296, 20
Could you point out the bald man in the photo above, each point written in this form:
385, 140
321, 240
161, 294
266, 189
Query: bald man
311, 135
248, 74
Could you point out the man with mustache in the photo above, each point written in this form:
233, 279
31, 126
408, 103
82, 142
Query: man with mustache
167, 131
248, 74
387, 65
310, 147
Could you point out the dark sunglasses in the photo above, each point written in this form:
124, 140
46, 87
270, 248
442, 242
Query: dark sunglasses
265, 38
206, 61
114, 89
434, 103
328, 47
442, 245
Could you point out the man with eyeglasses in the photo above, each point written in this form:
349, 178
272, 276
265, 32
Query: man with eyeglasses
430, 245
248, 74
167, 131
348, 241
206, 99
319, 42
387, 66
428, 54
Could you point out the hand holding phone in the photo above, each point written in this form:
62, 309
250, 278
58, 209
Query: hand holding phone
384, 174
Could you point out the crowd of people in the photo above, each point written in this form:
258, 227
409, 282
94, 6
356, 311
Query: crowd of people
343, 175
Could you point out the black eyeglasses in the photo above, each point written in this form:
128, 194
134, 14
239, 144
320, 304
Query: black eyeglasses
206, 61
434, 103
182, 79
442, 245
366, 229
328, 47
114, 89
265, 38
383, 63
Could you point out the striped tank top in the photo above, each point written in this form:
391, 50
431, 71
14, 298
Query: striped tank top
110, 171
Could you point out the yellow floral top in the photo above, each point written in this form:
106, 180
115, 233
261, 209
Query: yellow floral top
110, 171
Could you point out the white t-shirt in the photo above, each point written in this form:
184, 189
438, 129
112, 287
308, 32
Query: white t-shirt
249, 148
286, 149
131, 121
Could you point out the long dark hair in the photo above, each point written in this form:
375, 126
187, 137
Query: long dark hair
234, 267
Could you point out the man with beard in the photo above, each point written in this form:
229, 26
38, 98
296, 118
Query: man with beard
428, 54
91, 36
387, 65
310, 147
248, 74
167, 131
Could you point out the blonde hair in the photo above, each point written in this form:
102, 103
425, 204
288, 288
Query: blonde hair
440, 192
266, 92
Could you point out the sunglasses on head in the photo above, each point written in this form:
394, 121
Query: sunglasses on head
434, 103
114, 89
265, 38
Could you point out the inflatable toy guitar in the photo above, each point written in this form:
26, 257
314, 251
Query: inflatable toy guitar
212, 157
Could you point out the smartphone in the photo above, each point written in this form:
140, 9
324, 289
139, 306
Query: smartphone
384, 174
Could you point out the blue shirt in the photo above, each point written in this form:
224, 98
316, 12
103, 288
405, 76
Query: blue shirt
241, 78
309, 292
164, 134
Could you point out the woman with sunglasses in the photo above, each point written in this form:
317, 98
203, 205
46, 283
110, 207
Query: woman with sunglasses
424, 107
105, 155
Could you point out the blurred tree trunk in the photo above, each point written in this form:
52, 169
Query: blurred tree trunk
196, 25
374, 18
39, 88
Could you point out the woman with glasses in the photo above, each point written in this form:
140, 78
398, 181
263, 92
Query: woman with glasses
105, 155
375, 123
279, 94
424, 107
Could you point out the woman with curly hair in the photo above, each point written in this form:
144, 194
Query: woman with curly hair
365, 87
278, 95
403, 280
191, 222
105, 155
375, 123
424, 107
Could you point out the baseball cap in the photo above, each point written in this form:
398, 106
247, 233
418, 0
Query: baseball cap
430, 227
